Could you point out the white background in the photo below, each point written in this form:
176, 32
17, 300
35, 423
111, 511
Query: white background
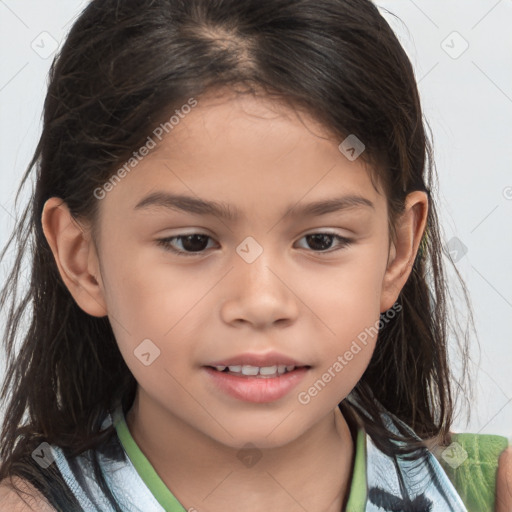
467, 100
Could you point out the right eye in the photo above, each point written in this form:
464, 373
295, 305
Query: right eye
194, 243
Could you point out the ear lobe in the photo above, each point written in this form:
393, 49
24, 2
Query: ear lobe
75, 256
409, 231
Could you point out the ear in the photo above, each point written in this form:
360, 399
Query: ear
409, 232
75, 254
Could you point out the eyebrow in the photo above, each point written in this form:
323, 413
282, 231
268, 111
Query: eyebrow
200, 206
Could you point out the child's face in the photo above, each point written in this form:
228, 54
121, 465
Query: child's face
229, 300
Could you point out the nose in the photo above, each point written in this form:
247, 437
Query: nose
259, 294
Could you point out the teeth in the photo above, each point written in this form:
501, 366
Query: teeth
250, 370
268, 370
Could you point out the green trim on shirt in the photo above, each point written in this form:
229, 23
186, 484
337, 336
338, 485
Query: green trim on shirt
144, 468
357, 496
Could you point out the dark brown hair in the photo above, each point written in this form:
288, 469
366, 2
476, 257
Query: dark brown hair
124, 66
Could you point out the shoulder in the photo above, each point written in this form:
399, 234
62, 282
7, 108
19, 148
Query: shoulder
504, 482
24, 498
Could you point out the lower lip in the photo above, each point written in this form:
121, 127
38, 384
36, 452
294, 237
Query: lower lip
257, 389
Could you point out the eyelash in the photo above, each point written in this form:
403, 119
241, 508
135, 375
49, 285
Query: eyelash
166, 243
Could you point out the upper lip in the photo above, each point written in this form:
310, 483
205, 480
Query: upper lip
262, 360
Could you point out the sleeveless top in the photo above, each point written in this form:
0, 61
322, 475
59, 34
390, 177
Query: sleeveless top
379, 483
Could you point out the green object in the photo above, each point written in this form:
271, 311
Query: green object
471, 463
357, 497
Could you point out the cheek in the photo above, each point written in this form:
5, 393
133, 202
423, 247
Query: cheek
152, 301
346, 295
346, 303
148, 294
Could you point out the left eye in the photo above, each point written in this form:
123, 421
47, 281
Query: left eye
197, 243
324, 241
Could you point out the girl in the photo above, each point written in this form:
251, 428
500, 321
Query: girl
237, 288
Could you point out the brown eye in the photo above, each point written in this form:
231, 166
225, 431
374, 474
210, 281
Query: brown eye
193, 243
197, 243
322, 242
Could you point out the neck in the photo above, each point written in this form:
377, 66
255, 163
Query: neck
310, 473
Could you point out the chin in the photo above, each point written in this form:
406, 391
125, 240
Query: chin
264, 436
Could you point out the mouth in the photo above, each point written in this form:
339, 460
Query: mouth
257, 384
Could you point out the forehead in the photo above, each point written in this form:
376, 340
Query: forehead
229, 123
246, 150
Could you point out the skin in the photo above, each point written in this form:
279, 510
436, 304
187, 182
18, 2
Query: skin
504, 482
20, 496
259, 157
